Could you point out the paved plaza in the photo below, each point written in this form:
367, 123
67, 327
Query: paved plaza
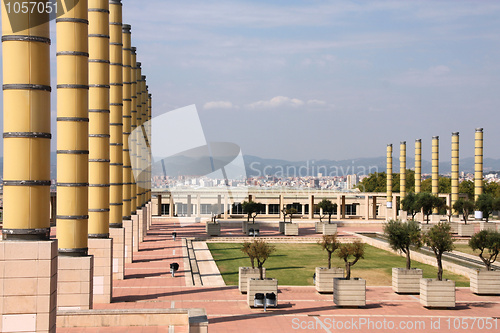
149, 285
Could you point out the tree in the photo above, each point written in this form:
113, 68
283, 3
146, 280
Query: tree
214, 209
252, 209
440, 240
246, 250
492, 188
330, 244
328, 208
410, 204
260, 251
484, 203
288, 211
427, 202
375, 182
486, 240
356, 250
403, 235
464, 207
467, 187
444, 185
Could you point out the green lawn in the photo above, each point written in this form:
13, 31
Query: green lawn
294, 264
465, 248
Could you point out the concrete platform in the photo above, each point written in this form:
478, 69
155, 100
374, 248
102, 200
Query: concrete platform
148, 285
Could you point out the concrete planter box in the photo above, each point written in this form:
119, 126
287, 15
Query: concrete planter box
318, 227
213, 229
329, 229
406, 281
249, 225
465, 230
324, 278
245, 273
244, 227
265, 286
291, 229
437, 294
485, 282
349, 292
492, 226
454, 227
282, 227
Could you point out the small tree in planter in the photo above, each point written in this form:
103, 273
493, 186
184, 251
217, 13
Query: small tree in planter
252, 209
347, 292
428, 202
440, 240
290, 212
261, 251
464, 207
356, 250
402, 236
486, 282
324, 276
438, 293
328, 209
330, 244
489, 241
247, 272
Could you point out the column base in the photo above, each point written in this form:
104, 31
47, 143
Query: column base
28, 296
74, 283
129, 240
102, 250
118, 236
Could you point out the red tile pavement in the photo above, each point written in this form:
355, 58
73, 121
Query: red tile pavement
148, 284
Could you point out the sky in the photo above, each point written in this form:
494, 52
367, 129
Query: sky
312, 79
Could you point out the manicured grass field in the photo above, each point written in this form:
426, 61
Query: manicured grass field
465, 248
294, 264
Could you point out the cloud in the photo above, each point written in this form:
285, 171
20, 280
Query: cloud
218, 105
276, 102
316, 102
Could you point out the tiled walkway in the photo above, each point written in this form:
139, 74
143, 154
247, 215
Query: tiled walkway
148, 284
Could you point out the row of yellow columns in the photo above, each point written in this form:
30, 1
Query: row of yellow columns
96, 84
455, 155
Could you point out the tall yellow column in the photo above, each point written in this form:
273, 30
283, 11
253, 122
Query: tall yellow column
150, 156
99, 119
72, 160
478, 168
127, 118
454, 168
389, 176
133, 125
72, 129
26, 114
418, 165
28, 258
435, 167
144, 154
138, 146
402, 172
116, 114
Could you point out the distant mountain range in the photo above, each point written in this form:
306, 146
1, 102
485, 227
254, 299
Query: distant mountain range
256, 166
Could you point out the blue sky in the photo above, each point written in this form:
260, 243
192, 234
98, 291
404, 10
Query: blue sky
325, 79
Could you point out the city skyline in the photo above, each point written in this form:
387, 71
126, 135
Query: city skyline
323, 79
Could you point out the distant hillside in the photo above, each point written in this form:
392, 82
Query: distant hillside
256, 166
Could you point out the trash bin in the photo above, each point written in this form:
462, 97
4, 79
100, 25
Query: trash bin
174, 235
256, 232
250, 232
173, 268
271, 300
258, 300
